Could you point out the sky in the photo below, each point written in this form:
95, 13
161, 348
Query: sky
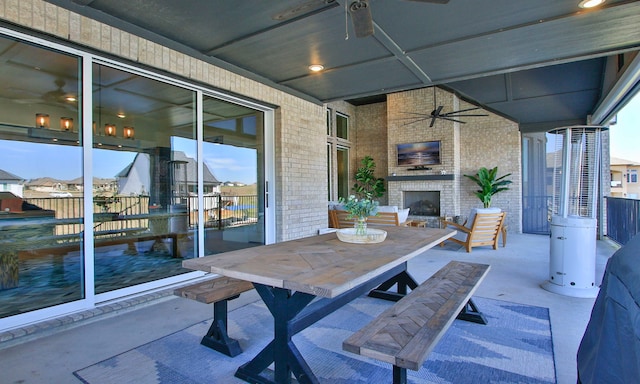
226, 162
625, 135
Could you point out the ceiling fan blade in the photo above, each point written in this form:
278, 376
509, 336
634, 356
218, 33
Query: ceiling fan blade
436, 112
416, 120
464, 110
303, 9
455, 114
361, 18
450, 119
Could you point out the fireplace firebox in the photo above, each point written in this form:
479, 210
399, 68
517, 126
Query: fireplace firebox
422, 203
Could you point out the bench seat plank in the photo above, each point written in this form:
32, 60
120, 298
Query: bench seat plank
211, 291
404, 334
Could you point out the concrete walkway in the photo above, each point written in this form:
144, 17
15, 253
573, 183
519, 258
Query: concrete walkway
55, 350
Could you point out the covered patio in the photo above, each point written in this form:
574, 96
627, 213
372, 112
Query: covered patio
53, 350
484, 80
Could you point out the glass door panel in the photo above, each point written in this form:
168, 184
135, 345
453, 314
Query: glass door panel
145, 172
234, 208
41, 179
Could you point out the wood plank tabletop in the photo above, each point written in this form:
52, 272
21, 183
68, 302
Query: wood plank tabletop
321, 265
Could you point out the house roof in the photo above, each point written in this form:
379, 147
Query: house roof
8, 176
619, 161
192, 169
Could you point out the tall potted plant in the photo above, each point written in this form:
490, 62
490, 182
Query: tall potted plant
489, 184
367, 188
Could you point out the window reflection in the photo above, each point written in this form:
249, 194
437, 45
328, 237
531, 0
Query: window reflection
232, 150
41, 184
146, 160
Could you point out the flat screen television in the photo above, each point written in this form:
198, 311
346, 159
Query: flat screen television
418, 154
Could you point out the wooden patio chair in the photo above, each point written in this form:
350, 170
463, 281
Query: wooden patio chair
340, 219
484, 229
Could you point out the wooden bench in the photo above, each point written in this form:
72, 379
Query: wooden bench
218, 291
339, 219
406, 333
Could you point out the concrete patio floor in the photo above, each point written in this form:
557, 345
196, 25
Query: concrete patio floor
53, 353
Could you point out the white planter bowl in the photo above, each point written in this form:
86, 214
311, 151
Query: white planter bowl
373, 235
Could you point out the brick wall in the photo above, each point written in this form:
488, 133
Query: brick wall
482, 141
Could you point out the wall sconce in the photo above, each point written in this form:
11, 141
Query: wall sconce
109, 130
66, 124
128, 132
42, 120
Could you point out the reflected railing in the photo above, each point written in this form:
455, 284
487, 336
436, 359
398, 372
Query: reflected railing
122, 215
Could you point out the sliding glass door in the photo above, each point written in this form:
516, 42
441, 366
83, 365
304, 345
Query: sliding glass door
156, 195
145, 167
41, 178
234, 180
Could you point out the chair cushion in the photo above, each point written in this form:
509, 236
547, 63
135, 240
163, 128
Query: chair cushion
403, 213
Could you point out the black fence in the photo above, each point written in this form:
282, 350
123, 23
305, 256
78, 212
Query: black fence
622, 219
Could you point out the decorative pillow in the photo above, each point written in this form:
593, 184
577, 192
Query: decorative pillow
336, 205
388, 208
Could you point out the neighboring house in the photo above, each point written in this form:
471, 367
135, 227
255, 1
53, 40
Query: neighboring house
624, 178
135, 179
46, 184
11, 183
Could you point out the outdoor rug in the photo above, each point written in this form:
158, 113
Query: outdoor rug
514, 347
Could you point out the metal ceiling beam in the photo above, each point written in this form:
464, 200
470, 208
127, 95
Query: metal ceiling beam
383, 38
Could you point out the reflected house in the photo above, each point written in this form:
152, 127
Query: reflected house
11, 183
135, 179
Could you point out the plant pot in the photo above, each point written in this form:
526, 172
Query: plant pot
348, 235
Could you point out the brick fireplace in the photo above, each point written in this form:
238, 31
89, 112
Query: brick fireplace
422, 193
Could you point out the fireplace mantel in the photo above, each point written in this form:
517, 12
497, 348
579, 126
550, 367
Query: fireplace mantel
420, 177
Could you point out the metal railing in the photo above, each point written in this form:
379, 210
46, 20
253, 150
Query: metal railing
622, 219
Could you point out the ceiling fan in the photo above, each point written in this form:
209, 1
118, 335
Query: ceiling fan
436, 113
57, 96
360, 11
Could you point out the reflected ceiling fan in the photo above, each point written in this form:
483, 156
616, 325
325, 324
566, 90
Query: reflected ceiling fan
57, 96
360, 11
437, 113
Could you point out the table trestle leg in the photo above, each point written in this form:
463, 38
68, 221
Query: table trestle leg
282, 352
399, 375
403, 281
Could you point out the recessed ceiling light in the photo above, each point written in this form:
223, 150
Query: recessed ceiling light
590, 3
121, 115
71, 98
316, 67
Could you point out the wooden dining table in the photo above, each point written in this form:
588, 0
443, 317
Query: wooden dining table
301, 281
